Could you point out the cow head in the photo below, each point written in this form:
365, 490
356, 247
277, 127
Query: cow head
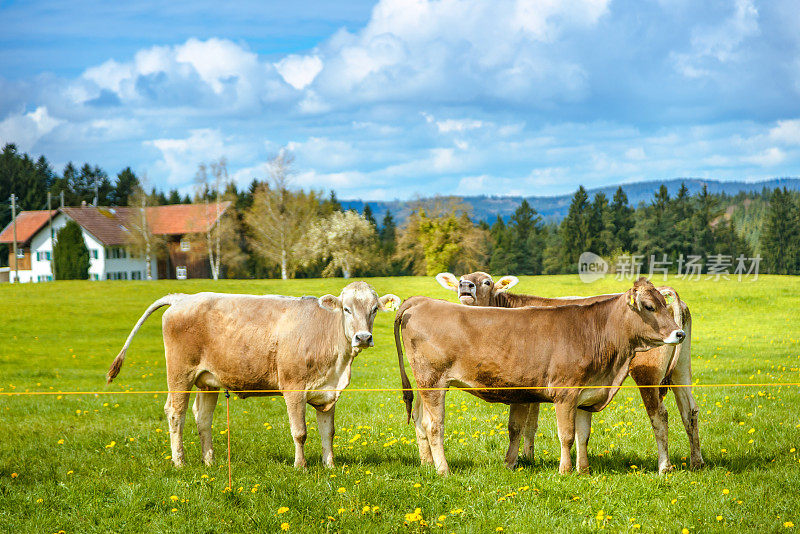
653, 318
359, 303
476, 289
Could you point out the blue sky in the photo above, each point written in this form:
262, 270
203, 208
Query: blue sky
402, 98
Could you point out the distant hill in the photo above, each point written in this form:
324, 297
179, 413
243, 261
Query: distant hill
555, 208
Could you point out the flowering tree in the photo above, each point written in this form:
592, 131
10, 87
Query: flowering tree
346, 239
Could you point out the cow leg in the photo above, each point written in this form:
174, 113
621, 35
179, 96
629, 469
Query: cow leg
418, 414
583, 430
296, 408
682, 376
433, 421
175, 409
657, 412
565, 417
529, 430
517, 416
203, 409
326, 431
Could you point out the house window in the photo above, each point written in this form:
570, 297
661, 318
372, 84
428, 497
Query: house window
136, 275
115, 253
180, 273
186, 245
47, 255
20, 253
95, 276
39, 258
93, 253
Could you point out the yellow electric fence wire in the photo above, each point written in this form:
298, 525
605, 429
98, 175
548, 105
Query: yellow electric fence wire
362, 390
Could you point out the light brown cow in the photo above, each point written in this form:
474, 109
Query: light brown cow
566, 351
252, 343
667, 364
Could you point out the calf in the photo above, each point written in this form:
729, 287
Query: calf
564, 355
261, 345
663, 365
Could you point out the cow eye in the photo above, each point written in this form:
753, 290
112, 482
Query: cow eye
648, 307
347, 310
374, 310
487, 282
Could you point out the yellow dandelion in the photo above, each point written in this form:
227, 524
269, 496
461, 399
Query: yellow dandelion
417, 485
788, 524
61, 441
284, 526
174, 509
751, 430
14, 475
637, 526
69, 472
204, 475
499, 529
441, 518
283, 510
719, 518
725, 491
174, 498
456, 511
39, 501
341, 511
111, 445
684, 530
341, 490
376, 509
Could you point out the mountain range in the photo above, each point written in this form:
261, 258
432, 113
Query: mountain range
554, 208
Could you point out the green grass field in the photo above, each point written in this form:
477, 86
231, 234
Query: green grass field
100, 463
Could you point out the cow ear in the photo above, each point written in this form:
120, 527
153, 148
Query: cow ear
673, 303
330, 302
506, 283
390, 302
448, 281
632, 299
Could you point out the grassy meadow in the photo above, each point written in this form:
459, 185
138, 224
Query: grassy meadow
100, 463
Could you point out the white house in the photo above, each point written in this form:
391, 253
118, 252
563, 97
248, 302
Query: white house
106, 237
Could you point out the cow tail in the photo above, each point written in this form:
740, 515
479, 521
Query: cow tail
116, 365
408, 393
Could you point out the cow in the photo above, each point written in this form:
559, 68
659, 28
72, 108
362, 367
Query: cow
256, 345
664, 365
575, 356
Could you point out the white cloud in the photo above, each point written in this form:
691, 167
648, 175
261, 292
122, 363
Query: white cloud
299, 71
26, 129
767, 158
635, 153
722, 43
180, 157
786, 131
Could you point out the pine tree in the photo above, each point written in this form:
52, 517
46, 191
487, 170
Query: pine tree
126, 183
388, 233
502, 260
621, 222
526, 243
70, 254
575, 229
706, 210
780, 241
367, 213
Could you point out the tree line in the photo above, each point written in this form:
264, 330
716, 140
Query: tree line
275, 230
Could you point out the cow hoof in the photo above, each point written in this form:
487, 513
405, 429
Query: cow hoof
699, 464
444, 472
565, 470
511, 465
179, 462
666, 469
584, 470
300, 465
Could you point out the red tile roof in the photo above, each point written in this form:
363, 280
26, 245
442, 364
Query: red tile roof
183, 218
28, 223
108, 225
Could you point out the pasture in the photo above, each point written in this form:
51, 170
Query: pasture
100, 463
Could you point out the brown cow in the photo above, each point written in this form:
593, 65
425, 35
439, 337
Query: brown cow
566, 352
252, 343
664, 365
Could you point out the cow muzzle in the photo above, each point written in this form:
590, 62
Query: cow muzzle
466, 292
675, 337
363, 340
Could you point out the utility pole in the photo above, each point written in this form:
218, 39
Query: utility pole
14, 218
50, 224
62, 198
